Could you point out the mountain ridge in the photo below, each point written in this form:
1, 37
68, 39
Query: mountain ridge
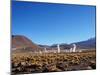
20, 41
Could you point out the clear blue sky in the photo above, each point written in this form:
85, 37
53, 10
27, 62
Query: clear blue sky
48, 24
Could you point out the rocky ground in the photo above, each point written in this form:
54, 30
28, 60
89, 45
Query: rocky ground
52, 62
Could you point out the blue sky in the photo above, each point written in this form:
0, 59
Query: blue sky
46, 23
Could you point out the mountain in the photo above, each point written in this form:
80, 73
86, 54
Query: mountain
62, 46
90, 43
44, 46
23, 43
87, 44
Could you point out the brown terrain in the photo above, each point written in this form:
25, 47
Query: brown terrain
52, 62
21, 43
25, 60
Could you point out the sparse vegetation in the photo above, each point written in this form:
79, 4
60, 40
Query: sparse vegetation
52, 62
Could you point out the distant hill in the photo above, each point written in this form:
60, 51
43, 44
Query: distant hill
87, 44
90, 43
62, 46
22, 42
